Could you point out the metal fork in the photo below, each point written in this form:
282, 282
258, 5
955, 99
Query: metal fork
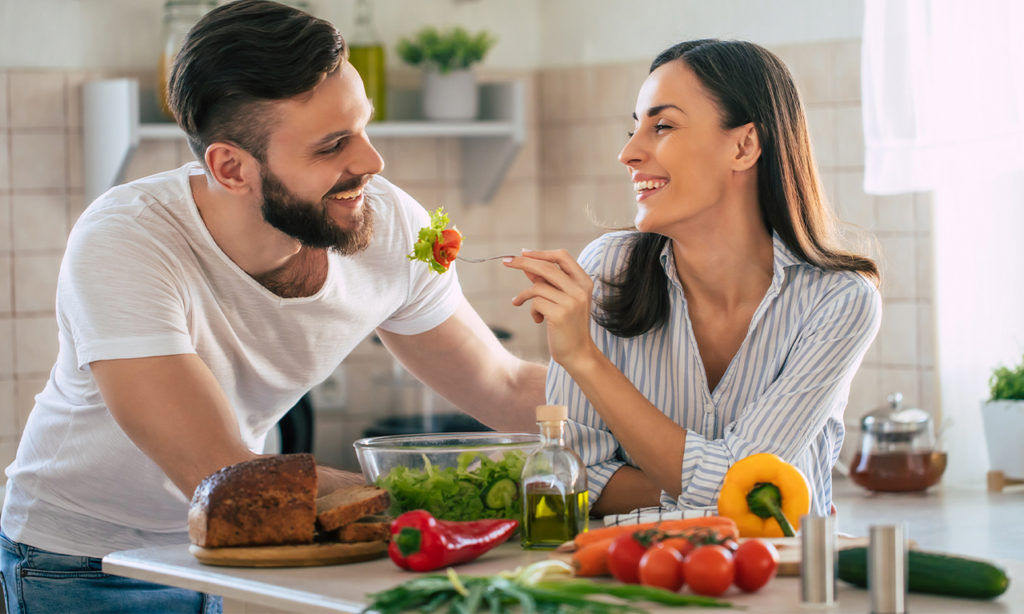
478, 260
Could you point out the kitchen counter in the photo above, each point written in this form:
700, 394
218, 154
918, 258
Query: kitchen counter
966, 522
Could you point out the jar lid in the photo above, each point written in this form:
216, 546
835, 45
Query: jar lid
895, 419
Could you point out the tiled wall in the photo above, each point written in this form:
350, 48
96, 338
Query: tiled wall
565, 178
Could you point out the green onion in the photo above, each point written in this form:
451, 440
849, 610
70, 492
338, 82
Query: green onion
534, 588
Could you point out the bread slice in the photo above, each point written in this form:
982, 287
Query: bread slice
346, 505
375, 527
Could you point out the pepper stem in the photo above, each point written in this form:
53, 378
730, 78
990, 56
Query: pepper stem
408, 541
765, 500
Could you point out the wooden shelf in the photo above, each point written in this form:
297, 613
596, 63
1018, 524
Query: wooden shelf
112, 130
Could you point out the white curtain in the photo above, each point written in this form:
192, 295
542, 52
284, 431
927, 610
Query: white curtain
943, 102
943, 91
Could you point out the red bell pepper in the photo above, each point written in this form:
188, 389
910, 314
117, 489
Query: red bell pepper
420, 542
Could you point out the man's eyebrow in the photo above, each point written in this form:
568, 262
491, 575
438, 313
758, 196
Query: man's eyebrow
338, 134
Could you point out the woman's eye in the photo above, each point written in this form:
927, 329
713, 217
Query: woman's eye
630, 134
660, 127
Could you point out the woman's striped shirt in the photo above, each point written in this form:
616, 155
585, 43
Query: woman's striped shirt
784, 391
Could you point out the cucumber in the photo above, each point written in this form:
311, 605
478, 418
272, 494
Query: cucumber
500, 493
931, 572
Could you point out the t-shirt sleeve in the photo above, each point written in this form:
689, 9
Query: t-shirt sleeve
119, 296
432, 297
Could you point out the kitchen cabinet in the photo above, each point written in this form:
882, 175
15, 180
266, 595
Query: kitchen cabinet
113, 128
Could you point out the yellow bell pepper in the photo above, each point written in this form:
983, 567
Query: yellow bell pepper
765, 495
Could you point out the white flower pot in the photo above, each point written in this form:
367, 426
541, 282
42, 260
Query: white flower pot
1004, 429
450, 96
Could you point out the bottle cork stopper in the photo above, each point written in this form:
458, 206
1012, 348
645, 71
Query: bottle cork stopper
552, 413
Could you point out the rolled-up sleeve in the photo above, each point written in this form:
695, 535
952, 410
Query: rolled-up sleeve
811, 389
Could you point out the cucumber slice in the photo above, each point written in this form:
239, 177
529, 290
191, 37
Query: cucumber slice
499, 494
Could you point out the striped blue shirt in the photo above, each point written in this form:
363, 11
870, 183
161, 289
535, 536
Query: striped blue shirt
784, 391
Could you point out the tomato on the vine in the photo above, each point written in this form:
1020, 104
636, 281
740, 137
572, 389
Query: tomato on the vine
682, 545
756, 561
662, 566
624, 556
709, 570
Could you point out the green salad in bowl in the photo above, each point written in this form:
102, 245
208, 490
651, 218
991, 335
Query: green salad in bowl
454, 476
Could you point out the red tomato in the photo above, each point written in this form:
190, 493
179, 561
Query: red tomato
624, 558
662, 566
756, 564
447, 246
709, 570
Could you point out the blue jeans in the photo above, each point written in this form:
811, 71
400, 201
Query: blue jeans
36, 581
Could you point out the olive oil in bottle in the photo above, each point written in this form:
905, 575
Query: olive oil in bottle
366, 54
554, 482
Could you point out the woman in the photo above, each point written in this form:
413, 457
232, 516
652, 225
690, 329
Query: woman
727, 323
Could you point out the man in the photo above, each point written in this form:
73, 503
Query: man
197, 305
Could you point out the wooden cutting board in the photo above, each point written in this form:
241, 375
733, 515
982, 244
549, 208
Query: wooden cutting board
302, 555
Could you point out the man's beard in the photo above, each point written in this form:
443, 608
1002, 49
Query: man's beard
309, 223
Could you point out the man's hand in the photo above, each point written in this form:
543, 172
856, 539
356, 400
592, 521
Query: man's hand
174, 410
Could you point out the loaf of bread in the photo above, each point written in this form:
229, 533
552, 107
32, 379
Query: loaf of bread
346, 505
376, 527
266, 501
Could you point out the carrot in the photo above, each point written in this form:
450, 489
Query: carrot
723, 525
592, 559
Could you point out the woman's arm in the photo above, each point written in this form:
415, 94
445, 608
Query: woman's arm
628, 489
561, 296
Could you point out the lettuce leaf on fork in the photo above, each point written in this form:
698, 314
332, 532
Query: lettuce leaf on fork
423, 249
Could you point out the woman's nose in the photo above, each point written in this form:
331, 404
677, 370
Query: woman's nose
631, 153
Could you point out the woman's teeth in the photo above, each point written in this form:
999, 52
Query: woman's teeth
649, 184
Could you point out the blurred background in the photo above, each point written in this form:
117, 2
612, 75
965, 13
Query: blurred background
580, 63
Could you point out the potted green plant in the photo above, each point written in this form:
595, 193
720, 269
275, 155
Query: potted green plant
447, 57
1004, 420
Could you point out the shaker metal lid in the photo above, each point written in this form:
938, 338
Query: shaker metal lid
894, 419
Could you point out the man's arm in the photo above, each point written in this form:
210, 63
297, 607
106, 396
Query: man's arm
175, 411
465, 363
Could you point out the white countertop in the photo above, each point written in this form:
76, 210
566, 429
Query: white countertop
965, 522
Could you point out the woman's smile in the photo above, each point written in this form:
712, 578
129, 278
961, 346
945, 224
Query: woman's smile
646, 186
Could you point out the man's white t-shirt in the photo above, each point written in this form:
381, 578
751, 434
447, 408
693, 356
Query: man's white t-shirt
143, 277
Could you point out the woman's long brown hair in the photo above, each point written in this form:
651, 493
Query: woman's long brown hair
748, 84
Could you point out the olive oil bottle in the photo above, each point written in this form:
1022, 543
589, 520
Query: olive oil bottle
366, 54
554, 481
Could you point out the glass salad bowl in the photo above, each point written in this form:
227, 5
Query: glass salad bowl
454, 476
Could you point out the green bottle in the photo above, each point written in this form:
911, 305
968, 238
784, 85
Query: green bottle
554, 482
366, 54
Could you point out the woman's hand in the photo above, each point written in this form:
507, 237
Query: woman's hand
561, 293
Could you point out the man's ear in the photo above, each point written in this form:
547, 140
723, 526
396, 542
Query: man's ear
235, 169
748, 147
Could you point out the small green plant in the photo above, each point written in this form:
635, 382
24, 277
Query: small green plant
449, 50
1008, 383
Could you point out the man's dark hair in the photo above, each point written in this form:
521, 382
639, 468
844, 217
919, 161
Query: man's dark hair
237, 58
